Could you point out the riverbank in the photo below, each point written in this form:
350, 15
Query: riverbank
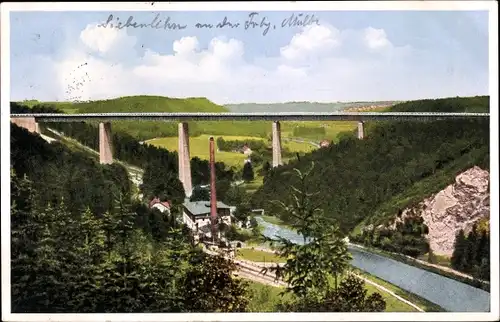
448, 293
416, 302
418, 263
433, 268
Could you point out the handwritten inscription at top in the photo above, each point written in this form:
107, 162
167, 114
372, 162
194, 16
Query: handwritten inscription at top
254, 20
156, 23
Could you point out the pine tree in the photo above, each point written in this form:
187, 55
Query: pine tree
471, 250
310, 265
459, 252
25, 234
247, 173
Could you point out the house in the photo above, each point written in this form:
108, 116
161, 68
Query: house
246, 150
196, 215
163, 206
324, 143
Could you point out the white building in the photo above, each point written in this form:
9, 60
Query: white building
196, 215
163, 206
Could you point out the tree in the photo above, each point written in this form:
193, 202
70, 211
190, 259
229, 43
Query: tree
209, 286
25, 234
472, 249
266, 167
200, 194
310, 265
459, 251
351, 296
247, 173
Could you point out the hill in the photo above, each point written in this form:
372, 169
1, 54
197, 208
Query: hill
300, 106
396, 166
141, 103
130, 104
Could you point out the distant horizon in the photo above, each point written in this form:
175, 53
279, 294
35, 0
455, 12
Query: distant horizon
245, 103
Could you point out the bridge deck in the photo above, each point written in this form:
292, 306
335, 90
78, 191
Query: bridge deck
297, 116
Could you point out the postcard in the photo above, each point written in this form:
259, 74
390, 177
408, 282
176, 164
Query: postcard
249, 161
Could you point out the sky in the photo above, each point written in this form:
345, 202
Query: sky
337, 56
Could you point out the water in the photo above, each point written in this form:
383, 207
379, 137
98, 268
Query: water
451, 295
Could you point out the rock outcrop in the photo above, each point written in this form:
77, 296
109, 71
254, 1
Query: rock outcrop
456, 207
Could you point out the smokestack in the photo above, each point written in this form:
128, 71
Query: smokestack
213, 194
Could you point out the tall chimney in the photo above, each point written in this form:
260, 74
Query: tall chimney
213, 194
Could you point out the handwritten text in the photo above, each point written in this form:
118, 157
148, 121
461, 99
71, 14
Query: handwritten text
254, 21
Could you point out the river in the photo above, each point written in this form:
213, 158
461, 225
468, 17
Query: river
451, 295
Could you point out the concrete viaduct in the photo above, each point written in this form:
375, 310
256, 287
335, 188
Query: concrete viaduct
30, 122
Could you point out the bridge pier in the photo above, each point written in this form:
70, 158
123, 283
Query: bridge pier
29, 123
105, 143
185, 159
361, 130
276, 144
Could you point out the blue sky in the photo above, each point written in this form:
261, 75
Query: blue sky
348, 56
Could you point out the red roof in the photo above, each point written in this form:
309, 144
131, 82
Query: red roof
157, 200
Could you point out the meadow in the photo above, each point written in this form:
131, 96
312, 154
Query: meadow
263, 298
198, 146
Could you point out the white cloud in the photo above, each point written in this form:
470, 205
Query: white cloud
320, 63
104, 40
185, 45
376, 38
313, 39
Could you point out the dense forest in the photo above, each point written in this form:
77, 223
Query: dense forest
125, 259
365, 181
472, 253
80, 244
407, 237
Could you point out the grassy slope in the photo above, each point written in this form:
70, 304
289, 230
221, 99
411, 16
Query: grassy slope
263, 298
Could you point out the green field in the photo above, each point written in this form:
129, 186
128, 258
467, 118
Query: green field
258, 256
332, 128
263, 298
198, 147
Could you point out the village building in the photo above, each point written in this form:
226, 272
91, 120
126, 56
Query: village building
163, 206
324, 143
196, 215
246, 150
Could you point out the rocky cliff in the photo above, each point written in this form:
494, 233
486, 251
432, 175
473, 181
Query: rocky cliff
456, 207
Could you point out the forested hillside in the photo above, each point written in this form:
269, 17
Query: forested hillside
396, 165
61, 173
161, 165
79, 244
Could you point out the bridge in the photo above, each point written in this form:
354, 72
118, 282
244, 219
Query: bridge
31, 122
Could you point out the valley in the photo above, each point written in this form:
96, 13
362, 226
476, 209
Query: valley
404, 165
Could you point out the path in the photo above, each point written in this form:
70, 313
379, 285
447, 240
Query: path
301, 140
251, 270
